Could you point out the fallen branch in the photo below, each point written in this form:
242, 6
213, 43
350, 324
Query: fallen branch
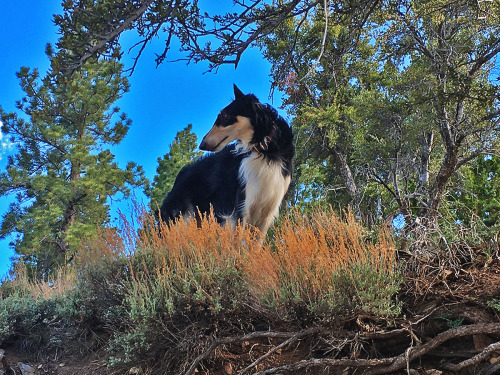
326, 362
485, 354
400, 361
278, 347
250, 336
387, 365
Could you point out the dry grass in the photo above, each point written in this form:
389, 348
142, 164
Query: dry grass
164, 291
317, 261
107, 244
311, 257
189, 261
309, 262
61, 282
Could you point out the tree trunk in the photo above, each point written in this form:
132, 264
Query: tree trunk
425, 157
340, 160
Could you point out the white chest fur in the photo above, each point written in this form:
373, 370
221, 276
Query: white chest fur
265, 187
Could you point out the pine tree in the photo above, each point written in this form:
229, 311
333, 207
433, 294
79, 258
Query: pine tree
182, 151
63, 173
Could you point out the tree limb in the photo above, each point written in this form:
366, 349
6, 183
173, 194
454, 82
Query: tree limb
93, 50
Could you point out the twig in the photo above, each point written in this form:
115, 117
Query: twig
282, 345
325, 33
253, 335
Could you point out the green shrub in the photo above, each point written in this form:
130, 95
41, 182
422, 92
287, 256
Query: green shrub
494, 304
37, 322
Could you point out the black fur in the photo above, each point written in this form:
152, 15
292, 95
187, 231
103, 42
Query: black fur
213, 180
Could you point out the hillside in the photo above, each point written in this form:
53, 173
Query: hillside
323, 295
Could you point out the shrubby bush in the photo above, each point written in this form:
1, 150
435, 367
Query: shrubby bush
158, 296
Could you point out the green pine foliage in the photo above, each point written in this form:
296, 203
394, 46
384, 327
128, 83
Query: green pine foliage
183, 150
476, 193
63, 173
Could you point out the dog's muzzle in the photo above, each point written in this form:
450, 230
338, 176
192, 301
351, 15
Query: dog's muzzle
204, 145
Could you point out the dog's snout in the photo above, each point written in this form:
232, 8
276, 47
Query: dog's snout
203, 145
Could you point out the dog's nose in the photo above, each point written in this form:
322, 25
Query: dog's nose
203, 145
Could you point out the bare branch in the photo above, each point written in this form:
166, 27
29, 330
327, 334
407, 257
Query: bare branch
485, 354
392, 364
278, 347
250, 336
93, 50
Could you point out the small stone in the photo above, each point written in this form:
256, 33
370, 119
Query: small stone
26, 369
228, 368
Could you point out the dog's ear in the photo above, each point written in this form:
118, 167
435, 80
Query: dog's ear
237, 92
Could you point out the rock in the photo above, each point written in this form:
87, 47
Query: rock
6, 369
494, 360
26, 369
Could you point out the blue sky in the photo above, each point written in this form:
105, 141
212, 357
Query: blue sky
161, 100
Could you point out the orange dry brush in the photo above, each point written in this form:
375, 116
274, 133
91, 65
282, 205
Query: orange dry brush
318, 260
204, 245
309, 254
189, 262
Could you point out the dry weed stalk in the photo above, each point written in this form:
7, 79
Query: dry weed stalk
189, 260
204, 244
301, 263
107, 244
307, 253
61, 282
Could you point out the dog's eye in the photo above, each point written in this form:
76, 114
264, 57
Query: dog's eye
224, 119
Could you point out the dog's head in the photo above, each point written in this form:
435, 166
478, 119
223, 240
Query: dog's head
235, 122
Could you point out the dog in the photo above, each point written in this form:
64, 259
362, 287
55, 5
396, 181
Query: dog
243, 181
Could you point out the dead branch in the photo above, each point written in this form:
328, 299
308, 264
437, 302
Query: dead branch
485, 354
278, 347
326, 362
400, 361
250, 336
111, 35
388, 365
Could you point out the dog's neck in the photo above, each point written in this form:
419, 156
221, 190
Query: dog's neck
264, 145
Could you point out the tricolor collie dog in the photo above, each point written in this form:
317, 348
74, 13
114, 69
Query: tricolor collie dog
243, 181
